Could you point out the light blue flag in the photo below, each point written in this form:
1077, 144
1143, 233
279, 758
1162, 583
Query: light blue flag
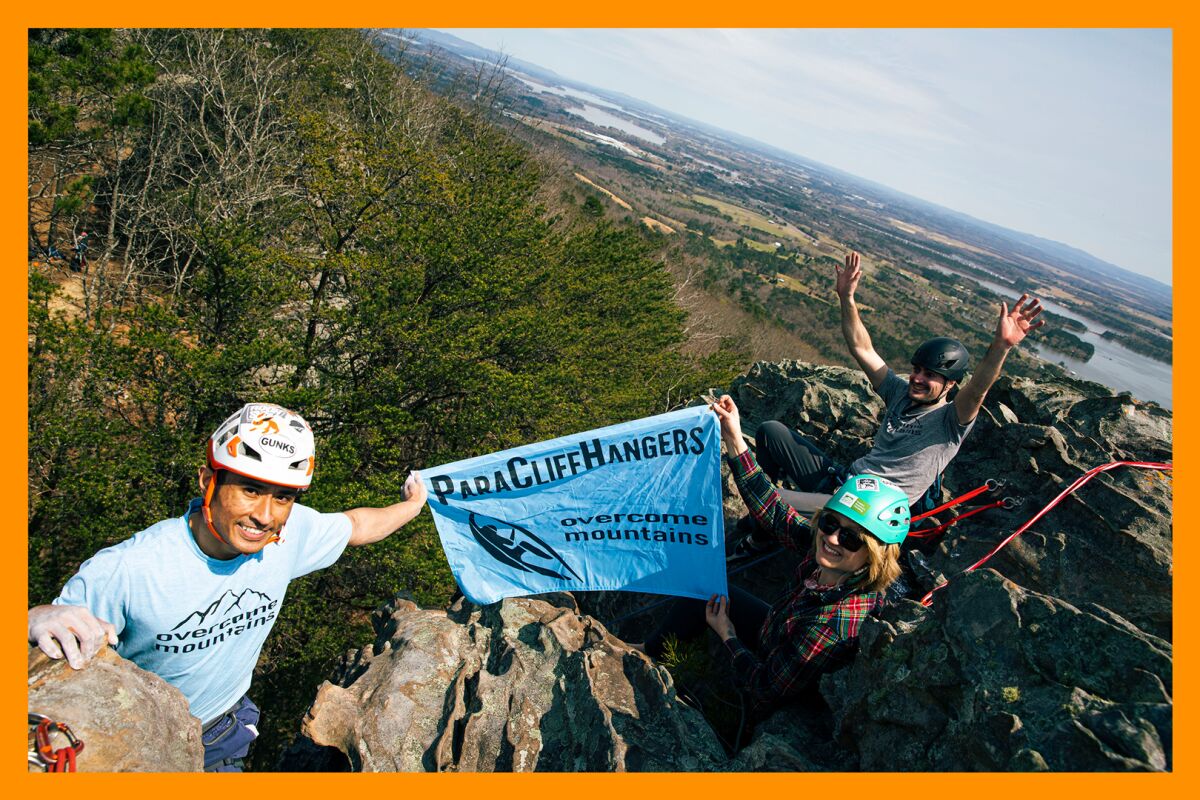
633, 507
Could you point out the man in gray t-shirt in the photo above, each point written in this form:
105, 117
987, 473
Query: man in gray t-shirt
921, 430
915, 441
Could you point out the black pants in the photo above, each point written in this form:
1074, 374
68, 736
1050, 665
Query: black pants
686, 620
785, 454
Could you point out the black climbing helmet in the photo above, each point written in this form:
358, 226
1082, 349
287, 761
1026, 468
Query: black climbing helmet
947, 357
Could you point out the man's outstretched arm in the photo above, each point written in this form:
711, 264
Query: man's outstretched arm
375, 524
1010, 330
855, 333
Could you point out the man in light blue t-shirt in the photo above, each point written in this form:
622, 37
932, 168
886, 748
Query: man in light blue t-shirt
192, 599
921, 429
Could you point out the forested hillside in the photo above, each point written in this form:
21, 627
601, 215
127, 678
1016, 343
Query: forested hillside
285, 216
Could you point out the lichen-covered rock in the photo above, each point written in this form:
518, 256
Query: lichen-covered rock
129, 720
1112, 533
522, 685
834, 405
994, 677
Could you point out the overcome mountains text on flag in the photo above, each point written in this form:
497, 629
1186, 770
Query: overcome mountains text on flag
632, 507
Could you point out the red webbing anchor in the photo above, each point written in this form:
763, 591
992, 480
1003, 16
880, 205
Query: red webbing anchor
927, 533
990, 485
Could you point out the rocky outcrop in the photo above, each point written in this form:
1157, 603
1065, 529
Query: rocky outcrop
1113, 533
796, 738
833, 405
995, 677
1057, 656
522, 685
129, 720
1056, 665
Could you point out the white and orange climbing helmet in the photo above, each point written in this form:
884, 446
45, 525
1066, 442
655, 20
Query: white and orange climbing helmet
265, 442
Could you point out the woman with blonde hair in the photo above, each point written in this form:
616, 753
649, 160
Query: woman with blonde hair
851, 549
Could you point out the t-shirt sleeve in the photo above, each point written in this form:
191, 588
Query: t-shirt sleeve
100, 586
892, 388
319, 538
955, 431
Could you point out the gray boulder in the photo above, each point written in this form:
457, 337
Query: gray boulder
834, 405
1112, 533
523, 685
795, 738
129, 720
994, 677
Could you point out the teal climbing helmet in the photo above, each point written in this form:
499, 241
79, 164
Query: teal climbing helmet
875, 503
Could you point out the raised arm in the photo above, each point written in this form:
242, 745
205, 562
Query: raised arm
769, 510
855, 333
375, 524
1010, 330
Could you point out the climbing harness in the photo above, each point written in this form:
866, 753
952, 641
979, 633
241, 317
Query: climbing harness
927, 600
41, 749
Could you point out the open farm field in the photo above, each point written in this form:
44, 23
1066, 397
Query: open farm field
655, 225
743, 216
934, 236
600, 188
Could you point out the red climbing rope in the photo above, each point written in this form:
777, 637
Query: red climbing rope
1080, 481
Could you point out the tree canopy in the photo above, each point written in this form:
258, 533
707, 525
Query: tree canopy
285, 216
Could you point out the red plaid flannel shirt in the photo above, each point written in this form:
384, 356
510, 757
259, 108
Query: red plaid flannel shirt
808, 631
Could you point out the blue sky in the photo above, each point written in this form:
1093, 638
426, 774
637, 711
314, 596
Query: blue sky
1065, 134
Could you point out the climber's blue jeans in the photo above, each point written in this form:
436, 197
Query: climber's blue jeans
227, 739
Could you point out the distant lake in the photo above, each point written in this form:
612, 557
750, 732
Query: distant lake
586, 97
1113, 365
600, 117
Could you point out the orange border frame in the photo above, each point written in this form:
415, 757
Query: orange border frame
562, 13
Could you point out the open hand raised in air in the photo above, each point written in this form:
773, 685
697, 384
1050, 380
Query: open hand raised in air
1015, 324
847, 276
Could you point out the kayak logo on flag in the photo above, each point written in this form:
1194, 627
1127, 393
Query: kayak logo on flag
514, 546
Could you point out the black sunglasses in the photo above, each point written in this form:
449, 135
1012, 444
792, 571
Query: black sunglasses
850, 537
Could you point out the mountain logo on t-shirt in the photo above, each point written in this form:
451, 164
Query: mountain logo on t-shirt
224, 619
223, 605
898, 424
